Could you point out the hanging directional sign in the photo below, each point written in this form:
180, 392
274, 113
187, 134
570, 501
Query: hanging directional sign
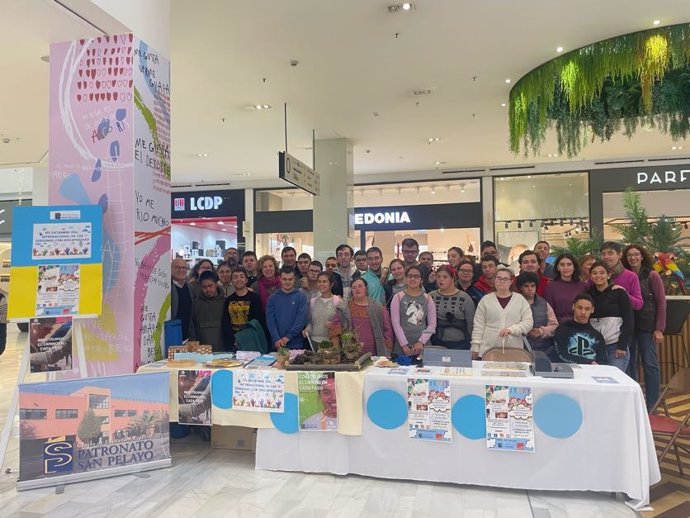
298, 173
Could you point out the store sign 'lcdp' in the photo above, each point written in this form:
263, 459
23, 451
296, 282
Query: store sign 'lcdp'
367, 218
671, 176
200, 203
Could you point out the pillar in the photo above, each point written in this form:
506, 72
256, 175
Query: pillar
333, 207
109, 144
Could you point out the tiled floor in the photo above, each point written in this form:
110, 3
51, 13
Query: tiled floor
209, 483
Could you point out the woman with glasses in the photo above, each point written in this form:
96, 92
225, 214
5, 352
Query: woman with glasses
454, 312
650, 321
502, 317
465, 278
413, 315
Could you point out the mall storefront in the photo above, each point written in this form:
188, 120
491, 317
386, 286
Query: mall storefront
438, 215
206, 223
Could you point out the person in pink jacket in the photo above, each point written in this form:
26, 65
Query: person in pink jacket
611, 255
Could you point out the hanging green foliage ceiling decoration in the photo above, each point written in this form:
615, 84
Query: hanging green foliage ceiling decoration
624, 83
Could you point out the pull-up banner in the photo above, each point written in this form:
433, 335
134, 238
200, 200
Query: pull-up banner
76, 430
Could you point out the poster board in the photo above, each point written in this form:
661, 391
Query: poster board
84, 429
57, 266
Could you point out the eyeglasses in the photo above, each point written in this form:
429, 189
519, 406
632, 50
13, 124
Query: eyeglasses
503, 279
181, 268
414, 276
466, 270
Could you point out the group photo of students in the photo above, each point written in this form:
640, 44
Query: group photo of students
609, 309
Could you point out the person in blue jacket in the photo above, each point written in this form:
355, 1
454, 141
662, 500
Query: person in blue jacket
286, 312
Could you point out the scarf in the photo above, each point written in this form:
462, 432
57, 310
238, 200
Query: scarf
617, 270
266, 288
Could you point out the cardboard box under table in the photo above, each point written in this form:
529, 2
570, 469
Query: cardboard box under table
349, 389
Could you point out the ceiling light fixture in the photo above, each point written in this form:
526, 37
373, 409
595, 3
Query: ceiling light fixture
262, 106
656, 22
503, 105
202, 155
559, 49
433, 139
508, 80
405, 6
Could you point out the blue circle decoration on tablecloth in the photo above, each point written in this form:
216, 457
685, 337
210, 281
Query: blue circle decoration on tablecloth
387, 409
469, 418
558, 416
221, 389
288, 420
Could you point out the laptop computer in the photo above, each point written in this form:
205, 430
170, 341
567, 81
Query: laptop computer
447, 357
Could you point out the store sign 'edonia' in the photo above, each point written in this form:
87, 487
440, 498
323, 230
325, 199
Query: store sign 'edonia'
670, 176
367, 218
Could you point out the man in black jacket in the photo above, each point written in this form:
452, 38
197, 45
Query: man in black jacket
576, 340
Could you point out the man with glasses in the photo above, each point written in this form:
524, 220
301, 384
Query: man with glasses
181, 306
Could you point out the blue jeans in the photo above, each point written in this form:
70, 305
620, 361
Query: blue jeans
621, 363
644, 343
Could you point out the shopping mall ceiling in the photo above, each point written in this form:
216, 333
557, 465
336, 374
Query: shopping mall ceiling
345, 69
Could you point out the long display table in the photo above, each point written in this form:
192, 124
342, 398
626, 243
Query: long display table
589, 436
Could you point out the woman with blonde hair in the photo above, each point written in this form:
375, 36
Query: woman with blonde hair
268, 281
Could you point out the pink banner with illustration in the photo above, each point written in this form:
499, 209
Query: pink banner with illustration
110, 145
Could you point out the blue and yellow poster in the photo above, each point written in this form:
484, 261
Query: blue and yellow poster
57, 265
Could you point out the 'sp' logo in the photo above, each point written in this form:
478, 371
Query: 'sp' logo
58, 455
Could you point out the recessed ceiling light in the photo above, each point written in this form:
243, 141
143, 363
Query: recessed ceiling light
433, 139
676, 147
508, 80
503, 105
202, 155
656, 22
407, 6
245, 174
559, 49
262, 106
439, 162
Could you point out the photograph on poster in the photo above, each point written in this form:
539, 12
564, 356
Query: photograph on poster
86, 425
318, 403
58, 290
50, 344
194, 397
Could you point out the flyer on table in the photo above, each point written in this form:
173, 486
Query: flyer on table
429, 406
50, 344
194, 397
318, 404
261, 390
509, 418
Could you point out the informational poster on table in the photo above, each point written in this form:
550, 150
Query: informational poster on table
318, 402
50, 344
258, 390
429, 405
509, 418
76, 430
57, 265
194, 397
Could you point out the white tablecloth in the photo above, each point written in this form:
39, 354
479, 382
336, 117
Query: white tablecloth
612, 451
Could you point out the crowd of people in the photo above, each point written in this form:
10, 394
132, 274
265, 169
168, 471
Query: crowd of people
609, 309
